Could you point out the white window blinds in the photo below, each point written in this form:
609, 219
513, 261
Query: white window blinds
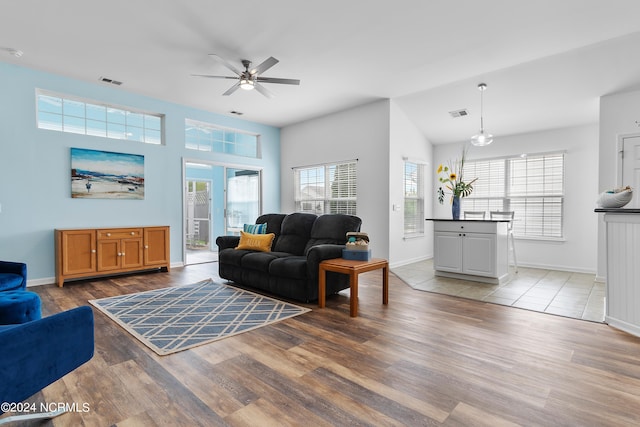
531, 186
413, 199
328, 188
536, 193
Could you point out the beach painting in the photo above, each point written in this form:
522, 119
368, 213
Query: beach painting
106, 175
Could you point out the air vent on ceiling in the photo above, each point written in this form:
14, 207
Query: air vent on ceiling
459, 113
110, 81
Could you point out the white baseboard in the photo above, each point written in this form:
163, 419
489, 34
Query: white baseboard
40, 282
557, 268
623, 326
409, 261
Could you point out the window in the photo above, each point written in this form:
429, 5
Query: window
73, 115
413, 199
531, 186
207, 137
329, 188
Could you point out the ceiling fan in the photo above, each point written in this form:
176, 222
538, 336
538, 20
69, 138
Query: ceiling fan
250, 78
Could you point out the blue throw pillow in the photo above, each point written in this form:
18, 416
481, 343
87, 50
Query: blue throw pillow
255, 228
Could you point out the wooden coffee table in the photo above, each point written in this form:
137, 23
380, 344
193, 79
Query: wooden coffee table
352, 268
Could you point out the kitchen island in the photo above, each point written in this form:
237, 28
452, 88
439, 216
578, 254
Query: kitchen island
475, 250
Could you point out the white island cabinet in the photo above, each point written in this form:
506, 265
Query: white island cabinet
474, 250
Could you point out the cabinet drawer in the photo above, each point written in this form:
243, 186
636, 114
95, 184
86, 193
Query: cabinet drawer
465, 226
119, 233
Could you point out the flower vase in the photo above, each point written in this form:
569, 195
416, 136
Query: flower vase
455, 208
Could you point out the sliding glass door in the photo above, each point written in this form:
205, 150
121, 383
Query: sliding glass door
243, 200
218, 200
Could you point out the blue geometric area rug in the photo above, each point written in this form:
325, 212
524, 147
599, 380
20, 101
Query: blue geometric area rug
174, 319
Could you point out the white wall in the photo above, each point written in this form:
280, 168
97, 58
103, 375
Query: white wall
407, 141
578, 251
618, 115
359, 133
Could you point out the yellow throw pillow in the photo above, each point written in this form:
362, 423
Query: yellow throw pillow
256, 242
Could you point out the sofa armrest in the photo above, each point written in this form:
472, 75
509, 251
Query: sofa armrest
37, 353
225, 242
18, 268
319, 253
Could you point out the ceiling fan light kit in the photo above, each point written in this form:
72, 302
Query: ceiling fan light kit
246, 84
481, 139
250, 78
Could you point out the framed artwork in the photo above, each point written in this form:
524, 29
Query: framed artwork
106, 175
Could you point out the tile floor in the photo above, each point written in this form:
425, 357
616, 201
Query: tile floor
562, 293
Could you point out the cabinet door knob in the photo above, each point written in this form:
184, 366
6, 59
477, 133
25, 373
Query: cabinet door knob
133, 233
122, 254
93, 251
146, 246
108, 234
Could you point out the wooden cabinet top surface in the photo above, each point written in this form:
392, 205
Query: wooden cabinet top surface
120, 227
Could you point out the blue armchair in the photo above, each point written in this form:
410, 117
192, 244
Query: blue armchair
37, 353
13, 276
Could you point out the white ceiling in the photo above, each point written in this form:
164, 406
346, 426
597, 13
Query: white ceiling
546, 62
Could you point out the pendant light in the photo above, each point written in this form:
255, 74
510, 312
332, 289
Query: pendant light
481, 139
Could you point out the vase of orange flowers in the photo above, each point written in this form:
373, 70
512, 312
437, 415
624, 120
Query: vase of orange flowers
452, 180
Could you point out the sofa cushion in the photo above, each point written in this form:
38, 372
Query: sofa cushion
274, 224
260, 260
255, 228
295, 233
10, 282
294, 267
255, 242
232, 256
332, 229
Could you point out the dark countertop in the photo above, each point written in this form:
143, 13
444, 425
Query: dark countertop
618, 210
471, 220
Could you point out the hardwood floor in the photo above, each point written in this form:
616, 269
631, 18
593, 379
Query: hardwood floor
425, 359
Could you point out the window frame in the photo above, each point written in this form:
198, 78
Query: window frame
548, 224
227, 145
325, 198
83, 119
417, 198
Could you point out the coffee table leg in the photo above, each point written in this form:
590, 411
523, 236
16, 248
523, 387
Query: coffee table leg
353, 297
385, 284
322, 278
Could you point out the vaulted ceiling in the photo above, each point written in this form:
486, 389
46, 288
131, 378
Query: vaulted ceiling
546, 62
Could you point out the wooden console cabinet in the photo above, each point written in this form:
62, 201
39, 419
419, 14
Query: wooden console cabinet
96, 252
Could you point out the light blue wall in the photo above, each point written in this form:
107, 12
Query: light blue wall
35, 194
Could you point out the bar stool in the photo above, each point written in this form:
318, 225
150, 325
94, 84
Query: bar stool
474, 214
509, 216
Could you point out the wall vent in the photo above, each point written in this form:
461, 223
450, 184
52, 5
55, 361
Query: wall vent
459, 113
110, 81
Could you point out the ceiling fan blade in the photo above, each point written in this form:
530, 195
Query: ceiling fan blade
215, 77
232, 89
263, 90
226, 63
277, 80
268, 63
